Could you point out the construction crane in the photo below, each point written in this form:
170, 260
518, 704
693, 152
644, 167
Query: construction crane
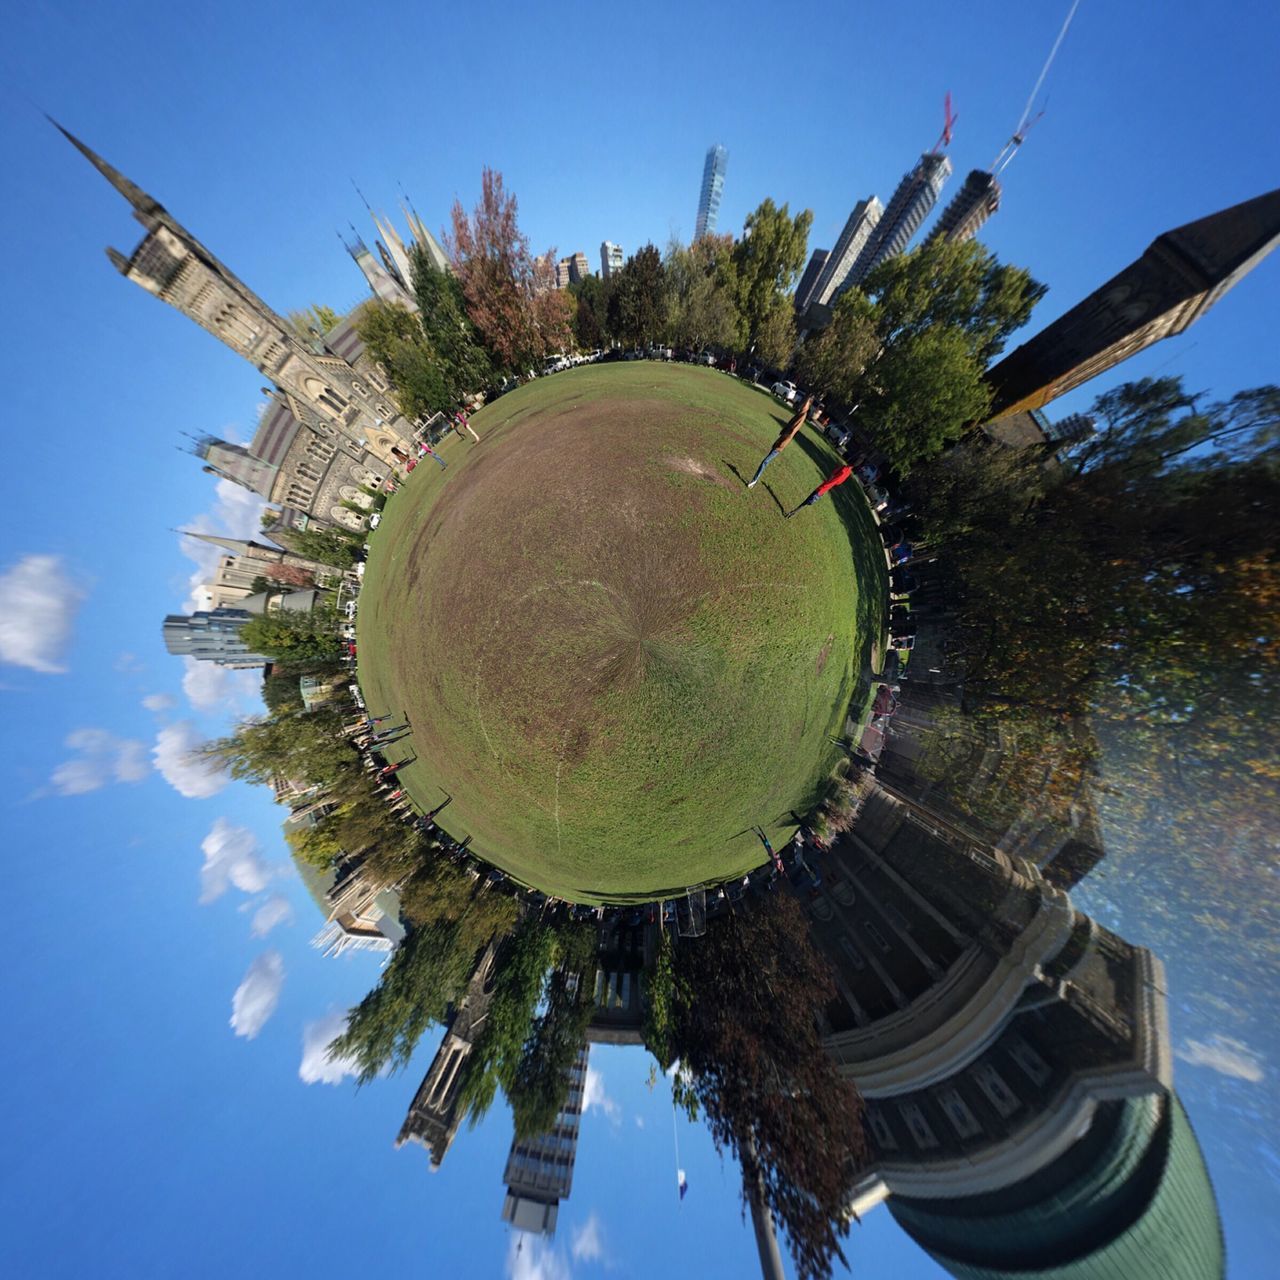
948, 123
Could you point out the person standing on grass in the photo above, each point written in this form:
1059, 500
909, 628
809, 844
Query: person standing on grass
789, 433
431, 453
465, 425
837, 477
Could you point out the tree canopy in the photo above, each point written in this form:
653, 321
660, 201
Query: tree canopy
293, 636
769, 258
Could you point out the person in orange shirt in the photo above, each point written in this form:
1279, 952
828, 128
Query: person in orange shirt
789, 433
837, 477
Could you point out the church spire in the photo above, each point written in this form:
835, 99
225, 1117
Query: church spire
133, 193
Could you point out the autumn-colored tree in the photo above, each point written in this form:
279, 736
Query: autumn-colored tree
500, 280
749, 996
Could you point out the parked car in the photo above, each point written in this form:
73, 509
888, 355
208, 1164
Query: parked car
375, 520
785, 391
838, 435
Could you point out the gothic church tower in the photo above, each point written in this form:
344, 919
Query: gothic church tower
174, 266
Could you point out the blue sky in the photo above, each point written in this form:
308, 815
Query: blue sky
142, 1128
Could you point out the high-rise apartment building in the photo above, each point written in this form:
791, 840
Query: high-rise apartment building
579, 269
610, 259
539, 1171
804, 290
1180, 276
712, 189
973, 204
867, 215
211, 635
563, 269
911, 204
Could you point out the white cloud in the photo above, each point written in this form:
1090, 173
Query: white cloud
529, 1257
101, 758
38, 605
159, 702
209, 687
588, 1241
594, 1095
639, 1122
1224, 1055
256, 997
189, 774
276, 910
236, 513
317, 1067
231, 857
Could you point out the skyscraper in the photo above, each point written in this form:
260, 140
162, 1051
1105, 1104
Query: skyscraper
911, 204
804, 290
610, 259
974, 203
211, 636
1180, 276
539, 1170
867, 215
712, 187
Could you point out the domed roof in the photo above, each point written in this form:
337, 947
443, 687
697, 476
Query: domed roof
1141, 1207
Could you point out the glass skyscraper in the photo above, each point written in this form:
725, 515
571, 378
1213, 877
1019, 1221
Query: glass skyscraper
712, 186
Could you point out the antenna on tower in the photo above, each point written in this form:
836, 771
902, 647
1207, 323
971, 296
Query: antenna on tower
948, 123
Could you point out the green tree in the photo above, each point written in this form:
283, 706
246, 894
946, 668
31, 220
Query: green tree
590, 320
701, 285
447, 331
293, 746
954, 285
293, 636
769, 258
395, 338
831, 362
921, 394
540, 1083
495, 1057
329, 545
638, 300
313, 322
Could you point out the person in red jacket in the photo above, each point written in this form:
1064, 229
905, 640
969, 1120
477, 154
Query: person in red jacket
789, 433
837, 477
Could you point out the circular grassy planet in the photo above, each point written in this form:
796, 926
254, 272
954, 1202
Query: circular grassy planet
616, 659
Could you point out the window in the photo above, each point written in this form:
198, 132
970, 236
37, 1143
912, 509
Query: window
957, 1111
880, 1128
876, 936
1027, 1058
993, 1086
855, 956
920, 1128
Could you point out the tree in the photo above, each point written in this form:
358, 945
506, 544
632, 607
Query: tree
590, 320
500, 279
395, 338
830, 363
519, 978
313, 322
327, 545
540, 1082
768, 259
701, 286
952, 284
920, 394
447, 330
637, 298
776, 335
747, 1035
293, 636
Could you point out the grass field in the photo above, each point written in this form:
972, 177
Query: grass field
614, 656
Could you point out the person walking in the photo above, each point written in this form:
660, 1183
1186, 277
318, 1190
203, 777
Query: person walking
464, 424
428, 451
789, 433
837, 477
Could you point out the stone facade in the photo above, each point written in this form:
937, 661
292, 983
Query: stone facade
328, 420
1180, 276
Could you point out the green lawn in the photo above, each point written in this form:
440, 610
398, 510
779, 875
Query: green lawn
615, 657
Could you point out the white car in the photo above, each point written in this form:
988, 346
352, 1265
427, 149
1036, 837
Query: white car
785, 391
375, 520
359, 568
